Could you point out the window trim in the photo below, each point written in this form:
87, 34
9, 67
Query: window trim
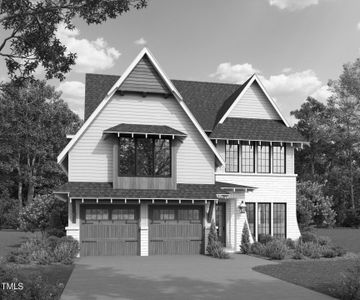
153, 163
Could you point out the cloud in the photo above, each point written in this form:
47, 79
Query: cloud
358, 26
293, 5
91, 55
236, 73
286, 70
141, 41
322, 94
73, 92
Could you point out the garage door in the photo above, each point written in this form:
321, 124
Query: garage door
176, 230
109, 230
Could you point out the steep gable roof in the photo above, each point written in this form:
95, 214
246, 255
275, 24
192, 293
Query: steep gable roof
144, 53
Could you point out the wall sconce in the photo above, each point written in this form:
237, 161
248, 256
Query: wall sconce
242, 207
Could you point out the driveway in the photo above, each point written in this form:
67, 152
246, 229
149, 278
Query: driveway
178, 277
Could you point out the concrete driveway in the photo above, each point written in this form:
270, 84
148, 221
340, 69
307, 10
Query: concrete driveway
178, 277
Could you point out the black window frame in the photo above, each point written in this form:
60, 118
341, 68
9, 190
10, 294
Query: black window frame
135, 141
262, 168
276, 226
276, 159
245, 161
229, 162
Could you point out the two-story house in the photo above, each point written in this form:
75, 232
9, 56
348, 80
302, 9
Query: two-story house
157, 160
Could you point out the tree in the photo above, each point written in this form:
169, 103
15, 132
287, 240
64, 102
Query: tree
312, 206
31, 25
34, 122
37, 214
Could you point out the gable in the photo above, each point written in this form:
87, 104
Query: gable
145, 78
254, 104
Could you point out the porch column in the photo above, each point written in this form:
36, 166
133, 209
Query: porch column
144, 229
209, 217
73, 228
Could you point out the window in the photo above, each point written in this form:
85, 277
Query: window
96, 214
231, 157
144, 157
279, 159
279, 222
189, 214
264, 218
248, 158
164, 214
250, 212
123, 214
263, 158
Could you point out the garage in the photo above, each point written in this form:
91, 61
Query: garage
176, 230
109, 230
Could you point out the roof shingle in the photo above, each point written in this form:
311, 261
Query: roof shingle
144, 129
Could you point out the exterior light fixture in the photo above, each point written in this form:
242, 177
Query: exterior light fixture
242, 207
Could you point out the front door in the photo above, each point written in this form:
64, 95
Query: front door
221, 222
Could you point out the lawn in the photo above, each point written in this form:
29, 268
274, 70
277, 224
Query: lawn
323, 276
348, 238
10, 240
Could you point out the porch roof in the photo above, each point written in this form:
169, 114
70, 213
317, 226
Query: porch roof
124, 128
105, 190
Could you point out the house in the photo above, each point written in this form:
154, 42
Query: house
157, 160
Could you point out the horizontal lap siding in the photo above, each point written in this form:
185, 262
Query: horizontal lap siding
91, 157
254, 104
270, 189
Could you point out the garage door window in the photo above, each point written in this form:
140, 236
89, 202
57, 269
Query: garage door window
164, 214
123, 214
96, 214
189, 214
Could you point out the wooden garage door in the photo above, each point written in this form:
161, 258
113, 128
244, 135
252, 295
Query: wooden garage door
176, 230
109, 230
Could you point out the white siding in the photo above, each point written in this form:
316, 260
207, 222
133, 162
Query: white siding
144, 230
91, 157
254, 104
271, 189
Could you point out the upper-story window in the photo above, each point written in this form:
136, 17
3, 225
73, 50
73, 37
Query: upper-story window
248, 158
231, 157
263, 158
278, 160
144, 157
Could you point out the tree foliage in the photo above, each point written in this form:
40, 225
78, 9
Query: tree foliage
30, 27
34, 122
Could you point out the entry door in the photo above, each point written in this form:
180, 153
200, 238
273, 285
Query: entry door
221, 222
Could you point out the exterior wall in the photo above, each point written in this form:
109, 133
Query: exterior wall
73, 228
90, 159
270, 189
254, 104
144, 230
289, 159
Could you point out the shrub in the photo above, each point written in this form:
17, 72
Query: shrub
350, 285
56, 232
257, 248
328, 252
298, 255
351, 219
66, 250
308, 237
9, 213
309, 249
265, 238
33, 288
339, 250
276, 249
245, 240
323, 240
290, 244
214, 247
41, 256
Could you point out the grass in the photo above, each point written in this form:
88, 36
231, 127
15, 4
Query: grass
323, 276
10, 240
348, 238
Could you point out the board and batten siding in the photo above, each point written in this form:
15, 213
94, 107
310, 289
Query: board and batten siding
289, 158
270, 189
144, 78
254, 104
90, 159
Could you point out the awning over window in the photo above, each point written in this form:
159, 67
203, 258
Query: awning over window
141, 129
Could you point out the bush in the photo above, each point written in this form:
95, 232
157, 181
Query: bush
265, 238
257, 248
276, 249
309, 249
214, 247
350, 285
245, 240
66, 250
56, 232
339, 250
351, 219
9, 213
323, 240
33, 288
308, 237
328, 252
298, 255
290, 244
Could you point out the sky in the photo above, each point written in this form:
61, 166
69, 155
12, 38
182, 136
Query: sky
295, 46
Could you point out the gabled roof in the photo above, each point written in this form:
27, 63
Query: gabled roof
247, 84
256, 130
144, 129
114, 88
105, 190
